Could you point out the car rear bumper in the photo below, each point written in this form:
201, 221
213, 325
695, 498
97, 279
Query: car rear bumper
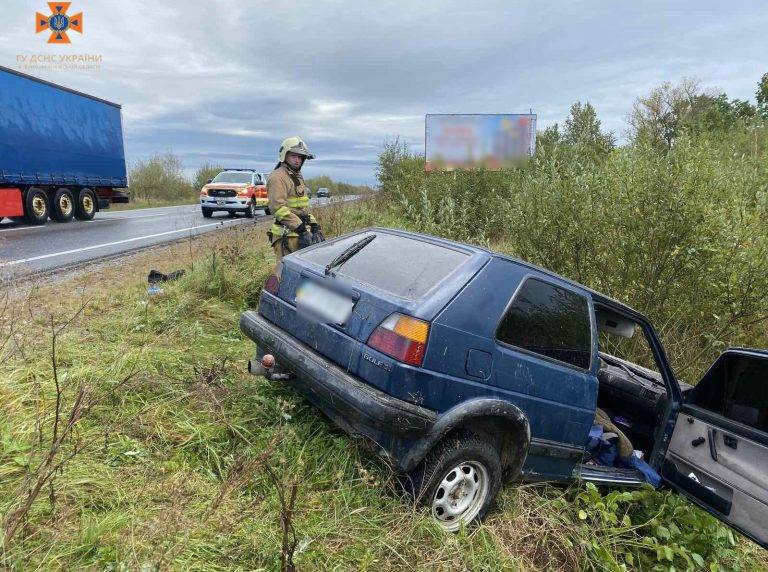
351, 403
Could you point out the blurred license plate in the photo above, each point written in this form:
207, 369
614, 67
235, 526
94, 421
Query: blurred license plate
325, 304
221, 201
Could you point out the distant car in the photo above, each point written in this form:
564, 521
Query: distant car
235, 191
323, 193
466, 367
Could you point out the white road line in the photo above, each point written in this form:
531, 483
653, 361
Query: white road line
50, 225
95, 246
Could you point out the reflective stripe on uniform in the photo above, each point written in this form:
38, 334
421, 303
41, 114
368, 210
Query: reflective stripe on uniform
278, 230
298, 202
283, 211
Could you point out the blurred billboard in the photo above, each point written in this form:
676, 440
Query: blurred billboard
470, 141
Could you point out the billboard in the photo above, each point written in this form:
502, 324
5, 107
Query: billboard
470, 141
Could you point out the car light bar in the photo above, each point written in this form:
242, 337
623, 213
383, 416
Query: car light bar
401, 337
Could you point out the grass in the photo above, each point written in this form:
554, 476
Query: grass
170, 466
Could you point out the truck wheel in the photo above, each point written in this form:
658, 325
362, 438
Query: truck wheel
63, 206
85, 209
459, 480
36, 208
207, 213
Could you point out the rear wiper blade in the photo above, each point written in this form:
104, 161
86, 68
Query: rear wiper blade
349, 253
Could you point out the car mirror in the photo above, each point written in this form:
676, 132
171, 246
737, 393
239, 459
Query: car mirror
209, 181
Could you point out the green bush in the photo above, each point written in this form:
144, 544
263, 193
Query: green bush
160, 178
682, 236
204, 173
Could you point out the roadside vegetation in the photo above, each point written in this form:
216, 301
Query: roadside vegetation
161, 181
131, 437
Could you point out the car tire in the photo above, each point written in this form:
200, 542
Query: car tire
36, 206
85, 208
266, 210
250, 212
63, 206
458, 480
232, 214
207, 213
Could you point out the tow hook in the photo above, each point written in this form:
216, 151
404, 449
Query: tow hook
266, 368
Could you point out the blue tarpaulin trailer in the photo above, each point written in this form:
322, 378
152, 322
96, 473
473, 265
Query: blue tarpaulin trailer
61, 151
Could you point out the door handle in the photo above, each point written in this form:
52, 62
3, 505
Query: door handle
730, 441
712, 447
697, 441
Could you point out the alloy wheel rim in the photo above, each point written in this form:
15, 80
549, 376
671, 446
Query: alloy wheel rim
461, 494
87, 204
38, 206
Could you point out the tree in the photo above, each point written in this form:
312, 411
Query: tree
658, 118
548, 140
669, 111
582, 130
762, 96
205, 172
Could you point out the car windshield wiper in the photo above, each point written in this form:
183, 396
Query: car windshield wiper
349, 253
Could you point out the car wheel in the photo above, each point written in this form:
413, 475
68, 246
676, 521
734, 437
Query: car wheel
232, 214
63, 206
207, 213
459, 480
85, 208
36, 207
266, 210
250, 212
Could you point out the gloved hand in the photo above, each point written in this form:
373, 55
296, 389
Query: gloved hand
305, 238
317, 233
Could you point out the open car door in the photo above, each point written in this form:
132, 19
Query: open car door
718, 454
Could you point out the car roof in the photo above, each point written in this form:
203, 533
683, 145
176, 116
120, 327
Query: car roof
596, 296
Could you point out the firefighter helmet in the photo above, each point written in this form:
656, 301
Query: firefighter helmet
294, 145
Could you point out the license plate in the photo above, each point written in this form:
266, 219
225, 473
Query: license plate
221, 202
324, 304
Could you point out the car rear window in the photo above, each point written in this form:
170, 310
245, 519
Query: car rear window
405, 267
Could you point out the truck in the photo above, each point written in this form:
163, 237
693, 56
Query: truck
61, 151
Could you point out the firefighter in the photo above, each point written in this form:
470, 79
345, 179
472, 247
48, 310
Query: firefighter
294, 228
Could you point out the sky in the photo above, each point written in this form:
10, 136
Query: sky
225, 82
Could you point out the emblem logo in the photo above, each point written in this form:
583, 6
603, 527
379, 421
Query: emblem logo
59, 22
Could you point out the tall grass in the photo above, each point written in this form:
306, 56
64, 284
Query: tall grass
168, 470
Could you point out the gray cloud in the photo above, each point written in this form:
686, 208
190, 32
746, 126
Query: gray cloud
216, 81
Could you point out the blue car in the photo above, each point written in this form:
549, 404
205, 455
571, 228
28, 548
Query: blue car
468, 368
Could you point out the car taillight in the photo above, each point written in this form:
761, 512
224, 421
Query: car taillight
272, 285
401, 337
261, 192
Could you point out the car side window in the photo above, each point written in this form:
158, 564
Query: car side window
737, 388
256, 179
550, 321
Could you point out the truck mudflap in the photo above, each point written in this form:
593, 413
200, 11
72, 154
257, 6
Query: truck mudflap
350, 402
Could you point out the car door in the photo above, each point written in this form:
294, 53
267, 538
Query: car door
718, 453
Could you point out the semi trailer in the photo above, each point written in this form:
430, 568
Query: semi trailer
61, 151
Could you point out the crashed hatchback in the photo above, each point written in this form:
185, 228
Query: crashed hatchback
467, 368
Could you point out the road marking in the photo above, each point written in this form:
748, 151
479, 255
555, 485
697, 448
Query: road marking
95, 246
50, 225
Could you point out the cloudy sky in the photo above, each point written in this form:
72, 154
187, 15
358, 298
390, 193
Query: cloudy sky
226, 82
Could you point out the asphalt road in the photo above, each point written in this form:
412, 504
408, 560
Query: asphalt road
25, 249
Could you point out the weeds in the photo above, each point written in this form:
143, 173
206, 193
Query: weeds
197, 465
